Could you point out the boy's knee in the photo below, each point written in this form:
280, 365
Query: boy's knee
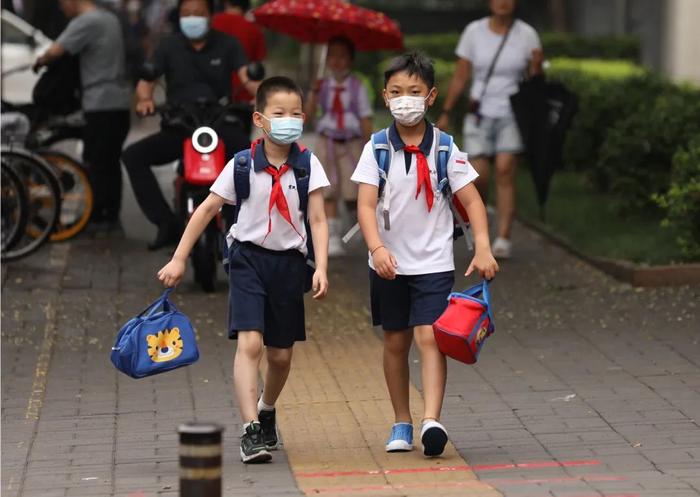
250, 344
397, 342
279, 358
425, 339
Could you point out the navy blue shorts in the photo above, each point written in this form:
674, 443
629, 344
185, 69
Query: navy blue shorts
409, 300
266, 294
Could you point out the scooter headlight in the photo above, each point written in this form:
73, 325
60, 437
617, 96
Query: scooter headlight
205, 140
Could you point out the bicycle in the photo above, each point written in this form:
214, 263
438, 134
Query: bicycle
41, 205
44, 132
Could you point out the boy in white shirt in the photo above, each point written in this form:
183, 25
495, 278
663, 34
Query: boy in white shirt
267, 256
345, 125
410, 253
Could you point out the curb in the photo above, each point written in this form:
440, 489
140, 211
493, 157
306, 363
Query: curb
628, 272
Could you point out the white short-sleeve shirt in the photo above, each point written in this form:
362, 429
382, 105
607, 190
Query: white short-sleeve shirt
253, 217
478, 44
329, 122
420, 240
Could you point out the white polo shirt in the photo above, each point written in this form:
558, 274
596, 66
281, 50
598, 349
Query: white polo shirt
329, 122
253, 217
420, 240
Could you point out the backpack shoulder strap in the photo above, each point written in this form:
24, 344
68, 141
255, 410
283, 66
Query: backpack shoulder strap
301, 176
382, 154
444, 151
241, 175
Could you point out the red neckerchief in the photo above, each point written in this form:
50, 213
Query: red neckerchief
278, 199
423, 174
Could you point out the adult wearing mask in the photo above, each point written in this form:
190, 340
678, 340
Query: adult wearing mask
197, 64
232, 21
494, 53
95, 36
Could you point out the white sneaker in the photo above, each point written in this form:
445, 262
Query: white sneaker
434, 438
502, 248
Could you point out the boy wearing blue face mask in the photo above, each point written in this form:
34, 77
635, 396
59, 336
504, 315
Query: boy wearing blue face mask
408, 227
267, 254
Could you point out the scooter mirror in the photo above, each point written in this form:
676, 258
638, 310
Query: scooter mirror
256, 71
205, 140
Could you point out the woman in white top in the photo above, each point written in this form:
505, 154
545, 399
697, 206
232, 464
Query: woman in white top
490, 130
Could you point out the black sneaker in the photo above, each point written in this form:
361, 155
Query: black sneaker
253, 446
269, 429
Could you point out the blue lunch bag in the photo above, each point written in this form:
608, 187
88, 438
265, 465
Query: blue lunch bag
159, 339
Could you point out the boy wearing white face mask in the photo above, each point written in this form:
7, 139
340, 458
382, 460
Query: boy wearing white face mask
344, 126
268, 253
410, 244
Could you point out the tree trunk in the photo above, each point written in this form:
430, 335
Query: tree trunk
557, 14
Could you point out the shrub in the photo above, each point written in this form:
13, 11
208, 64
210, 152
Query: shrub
606, 95
638, 151
442, 46
602, 47
681, 203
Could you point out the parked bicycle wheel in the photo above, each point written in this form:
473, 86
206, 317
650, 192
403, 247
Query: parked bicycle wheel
77, 199
15, 208
44, 200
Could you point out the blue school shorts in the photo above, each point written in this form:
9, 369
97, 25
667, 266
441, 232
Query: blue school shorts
266, 294
409, 300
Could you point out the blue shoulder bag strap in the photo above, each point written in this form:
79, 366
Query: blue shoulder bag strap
241, 185
444, 152
443, 157
380, 145
382, 154
302, 175
241, 178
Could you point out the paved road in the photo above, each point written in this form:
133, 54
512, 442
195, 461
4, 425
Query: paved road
589, 387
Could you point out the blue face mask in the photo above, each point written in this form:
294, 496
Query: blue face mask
285, 130
194, 27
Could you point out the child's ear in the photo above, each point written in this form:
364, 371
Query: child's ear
258, 119
432, 96
386, 99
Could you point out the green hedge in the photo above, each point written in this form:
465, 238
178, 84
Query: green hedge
442, 46
681, 203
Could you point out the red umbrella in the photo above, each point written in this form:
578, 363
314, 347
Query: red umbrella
317, 21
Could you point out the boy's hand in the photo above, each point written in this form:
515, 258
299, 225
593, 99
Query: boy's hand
172, 272
384, 263
484, 263
319, 284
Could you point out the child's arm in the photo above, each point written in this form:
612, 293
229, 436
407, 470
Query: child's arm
312, 102
366, 127
319, 232
483, 260
384, 261
172, 272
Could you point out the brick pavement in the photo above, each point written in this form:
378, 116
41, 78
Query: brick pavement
589, 387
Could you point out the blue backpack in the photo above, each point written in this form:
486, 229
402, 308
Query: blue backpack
382, 154
241, 183
159, 339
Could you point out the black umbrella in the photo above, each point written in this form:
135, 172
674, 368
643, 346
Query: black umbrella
543, 110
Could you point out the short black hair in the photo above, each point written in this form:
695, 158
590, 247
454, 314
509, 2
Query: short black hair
275, 84
210, 4
346, 42
413, 63
243, 4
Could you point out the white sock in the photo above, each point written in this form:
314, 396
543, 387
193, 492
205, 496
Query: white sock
264, 407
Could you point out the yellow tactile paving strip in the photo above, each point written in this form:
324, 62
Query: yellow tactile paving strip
335, 414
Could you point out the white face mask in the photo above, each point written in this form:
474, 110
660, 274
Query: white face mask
408, 110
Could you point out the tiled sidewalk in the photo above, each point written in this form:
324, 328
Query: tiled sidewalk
588, 388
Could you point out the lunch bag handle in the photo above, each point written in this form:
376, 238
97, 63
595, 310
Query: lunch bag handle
162, 301
472, 292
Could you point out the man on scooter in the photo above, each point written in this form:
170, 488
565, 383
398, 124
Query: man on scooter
197, 64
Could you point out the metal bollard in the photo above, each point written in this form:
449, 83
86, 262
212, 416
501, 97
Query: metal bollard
200, 459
